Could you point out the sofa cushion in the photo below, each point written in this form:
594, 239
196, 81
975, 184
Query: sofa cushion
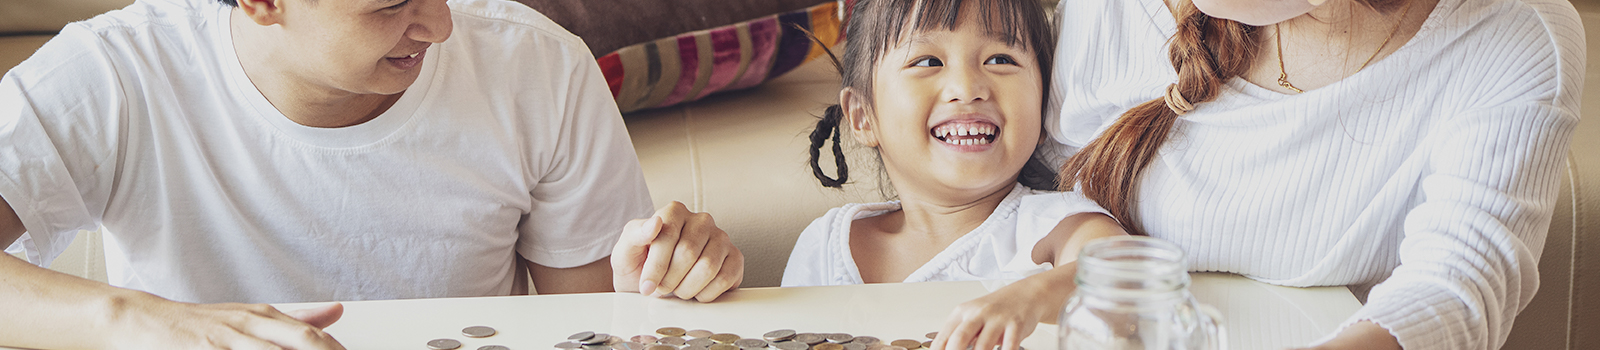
48, 16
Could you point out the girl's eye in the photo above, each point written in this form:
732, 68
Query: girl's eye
1002, 59
928, 62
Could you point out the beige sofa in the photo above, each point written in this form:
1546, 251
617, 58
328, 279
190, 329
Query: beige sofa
740, 156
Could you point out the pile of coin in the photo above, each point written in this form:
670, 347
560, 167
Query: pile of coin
674, 338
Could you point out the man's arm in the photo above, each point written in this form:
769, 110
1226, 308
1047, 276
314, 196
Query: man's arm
590, 278
51, 310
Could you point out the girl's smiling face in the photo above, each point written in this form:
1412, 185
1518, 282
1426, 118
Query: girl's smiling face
957, 110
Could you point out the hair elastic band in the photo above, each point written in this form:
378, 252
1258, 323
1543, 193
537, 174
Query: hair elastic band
1176, 102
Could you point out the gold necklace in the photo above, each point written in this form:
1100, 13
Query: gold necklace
1283, 74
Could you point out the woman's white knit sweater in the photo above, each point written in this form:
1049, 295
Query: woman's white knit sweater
1432, 173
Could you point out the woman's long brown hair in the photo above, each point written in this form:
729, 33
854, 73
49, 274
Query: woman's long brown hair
1206, 52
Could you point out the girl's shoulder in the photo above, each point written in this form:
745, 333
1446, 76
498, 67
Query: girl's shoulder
821, 254
1051, 203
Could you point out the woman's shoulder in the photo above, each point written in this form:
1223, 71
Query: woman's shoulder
1517, 50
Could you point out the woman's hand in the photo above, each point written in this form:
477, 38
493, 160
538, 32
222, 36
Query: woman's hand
1007, 316
1361, 335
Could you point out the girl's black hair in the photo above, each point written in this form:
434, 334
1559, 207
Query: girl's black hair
874, 26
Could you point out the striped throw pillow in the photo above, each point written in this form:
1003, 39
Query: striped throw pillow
691, 66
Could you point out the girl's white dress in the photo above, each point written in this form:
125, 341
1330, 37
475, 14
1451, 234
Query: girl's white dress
1000, 248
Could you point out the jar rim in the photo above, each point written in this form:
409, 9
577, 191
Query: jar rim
1112, 261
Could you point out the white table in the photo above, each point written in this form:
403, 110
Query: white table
1258, 316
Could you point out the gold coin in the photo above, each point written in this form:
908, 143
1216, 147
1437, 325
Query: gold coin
927, 344
932, 335
700, 333
720, 347
660, 347
907, 343
725, 338
671, 331
828, 346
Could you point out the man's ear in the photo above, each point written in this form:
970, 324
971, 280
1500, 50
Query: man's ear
857, 118
263, 12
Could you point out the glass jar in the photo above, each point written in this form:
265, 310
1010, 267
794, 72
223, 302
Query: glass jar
1133, 293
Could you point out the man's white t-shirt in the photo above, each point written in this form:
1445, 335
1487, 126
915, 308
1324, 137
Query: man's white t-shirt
143, 121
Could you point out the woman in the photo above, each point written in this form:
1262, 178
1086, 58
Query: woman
1406, 148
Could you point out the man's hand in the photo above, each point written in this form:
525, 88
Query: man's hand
162, 324
676, 253
52, 310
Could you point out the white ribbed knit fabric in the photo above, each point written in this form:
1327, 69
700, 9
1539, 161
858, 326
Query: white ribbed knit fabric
1433, 171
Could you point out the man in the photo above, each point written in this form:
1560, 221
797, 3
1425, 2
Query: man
310, 150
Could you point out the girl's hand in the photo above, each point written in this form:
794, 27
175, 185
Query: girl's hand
1006, 316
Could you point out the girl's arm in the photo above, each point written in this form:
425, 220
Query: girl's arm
1008, 315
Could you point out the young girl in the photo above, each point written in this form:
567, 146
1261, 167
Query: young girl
950, 93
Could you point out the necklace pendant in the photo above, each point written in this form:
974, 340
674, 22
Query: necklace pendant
1283, 80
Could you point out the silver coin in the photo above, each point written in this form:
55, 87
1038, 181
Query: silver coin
791, 345
596, 347
779, 335
599, 338
695, 347
750, 343
809, 338
700, 333
644, 339
581, 336
723, 347
855, 346
477, 332
628, 345
892, 347
866, 340
702, 342
493, 347
660, 347
614, 340
838, 338
568, 345
444, 344
725, 338
671, 332
674, 341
